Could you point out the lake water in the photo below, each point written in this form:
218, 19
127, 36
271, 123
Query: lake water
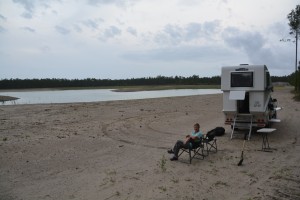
94, 95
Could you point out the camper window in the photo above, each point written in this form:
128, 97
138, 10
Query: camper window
241, 79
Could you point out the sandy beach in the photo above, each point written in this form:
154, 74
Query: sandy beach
118, 150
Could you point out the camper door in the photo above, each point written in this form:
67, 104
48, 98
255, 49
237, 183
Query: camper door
242, 100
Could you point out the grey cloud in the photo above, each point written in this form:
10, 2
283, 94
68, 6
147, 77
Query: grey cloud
193, 31
189, 3
207, 29
281, 31
173, 31
62, 30
92, 23
279, 28
27, 4
174, 34
28, 29
253, 44
112, 31
45, 49
132, 31
171, 34
30, 6
77, 28
119, 3
182, 53
2, 30
248, 41
2, 18
27, 15
96, 2
161, 38
211, 27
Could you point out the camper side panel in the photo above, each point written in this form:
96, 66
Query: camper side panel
225, 78
257, 101
259, 78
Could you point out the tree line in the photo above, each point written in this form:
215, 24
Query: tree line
92, 82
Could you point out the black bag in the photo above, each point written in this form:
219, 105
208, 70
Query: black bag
218, 131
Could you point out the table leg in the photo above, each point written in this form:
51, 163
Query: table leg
265, 143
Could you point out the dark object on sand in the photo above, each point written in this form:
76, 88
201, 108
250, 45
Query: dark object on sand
218, 131
242, 155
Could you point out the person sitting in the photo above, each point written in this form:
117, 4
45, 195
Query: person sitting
193, 137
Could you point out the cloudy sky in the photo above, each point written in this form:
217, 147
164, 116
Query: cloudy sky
119, 39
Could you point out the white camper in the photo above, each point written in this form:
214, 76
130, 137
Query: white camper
247, 100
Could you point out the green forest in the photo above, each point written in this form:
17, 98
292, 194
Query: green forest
92, 82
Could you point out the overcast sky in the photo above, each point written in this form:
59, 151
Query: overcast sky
119, 39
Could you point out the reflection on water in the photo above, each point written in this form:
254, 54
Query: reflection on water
92, 95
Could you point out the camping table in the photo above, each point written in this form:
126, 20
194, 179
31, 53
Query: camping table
265, 143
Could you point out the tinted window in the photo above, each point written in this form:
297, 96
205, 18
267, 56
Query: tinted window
242, 79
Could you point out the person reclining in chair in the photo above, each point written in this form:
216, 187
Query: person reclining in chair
193, 137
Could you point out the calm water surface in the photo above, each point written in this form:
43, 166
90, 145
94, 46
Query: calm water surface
93, 95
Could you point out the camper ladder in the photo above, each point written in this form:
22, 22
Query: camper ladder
242, 121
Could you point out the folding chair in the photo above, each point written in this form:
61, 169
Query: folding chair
195, 151
210, 142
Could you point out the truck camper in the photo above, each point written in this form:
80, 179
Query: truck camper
247, 100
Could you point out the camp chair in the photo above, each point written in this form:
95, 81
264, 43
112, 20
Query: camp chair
195, 151
210, 142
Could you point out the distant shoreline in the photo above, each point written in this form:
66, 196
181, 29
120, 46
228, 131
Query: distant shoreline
7, 98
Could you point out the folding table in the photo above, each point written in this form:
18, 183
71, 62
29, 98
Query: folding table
265, 142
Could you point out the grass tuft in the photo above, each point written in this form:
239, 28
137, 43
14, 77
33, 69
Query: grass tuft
162, 164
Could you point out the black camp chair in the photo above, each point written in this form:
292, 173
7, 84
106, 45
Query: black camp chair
196, 151
210, 142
